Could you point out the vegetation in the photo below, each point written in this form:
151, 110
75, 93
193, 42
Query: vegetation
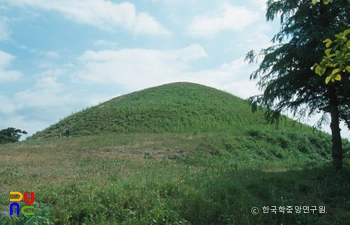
188, 177
337, 57
10, 134
339, 60
179, 107
284, 73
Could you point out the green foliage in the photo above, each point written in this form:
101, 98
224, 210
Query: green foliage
324, 1
10, 135
176, 107
284, 73
337, 57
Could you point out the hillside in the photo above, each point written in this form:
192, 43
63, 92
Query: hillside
178, 153
176, 107
188, 108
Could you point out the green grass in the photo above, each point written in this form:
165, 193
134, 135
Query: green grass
185, 175
176, 107
207, 178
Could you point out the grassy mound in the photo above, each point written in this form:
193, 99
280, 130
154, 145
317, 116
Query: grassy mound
176, 107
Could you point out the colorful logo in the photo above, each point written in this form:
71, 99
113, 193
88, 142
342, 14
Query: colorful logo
27, 210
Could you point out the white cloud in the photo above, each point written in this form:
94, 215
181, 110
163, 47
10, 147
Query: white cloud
4, 31
5, 61
46, 65
100, 13
49, 54
46, 102
39, 99
226, 18
44, 95
232, 77
145, 24
48, 83
190, 53
6, 106
137, 68
104, 43
260, 3
52, 54
52, 72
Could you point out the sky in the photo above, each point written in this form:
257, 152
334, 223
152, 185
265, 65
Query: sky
60, 57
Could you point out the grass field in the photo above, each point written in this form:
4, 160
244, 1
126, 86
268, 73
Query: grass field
191, 170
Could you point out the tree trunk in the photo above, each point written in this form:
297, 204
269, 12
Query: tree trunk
337, 151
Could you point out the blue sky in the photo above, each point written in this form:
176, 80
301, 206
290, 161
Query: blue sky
59, 57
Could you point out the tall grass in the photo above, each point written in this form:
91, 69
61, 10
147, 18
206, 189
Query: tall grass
207, 178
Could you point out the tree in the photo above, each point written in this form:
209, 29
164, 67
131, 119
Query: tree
284, 73
336, 63
337, 56
10, 134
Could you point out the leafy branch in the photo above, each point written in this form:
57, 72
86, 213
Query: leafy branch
337, 55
